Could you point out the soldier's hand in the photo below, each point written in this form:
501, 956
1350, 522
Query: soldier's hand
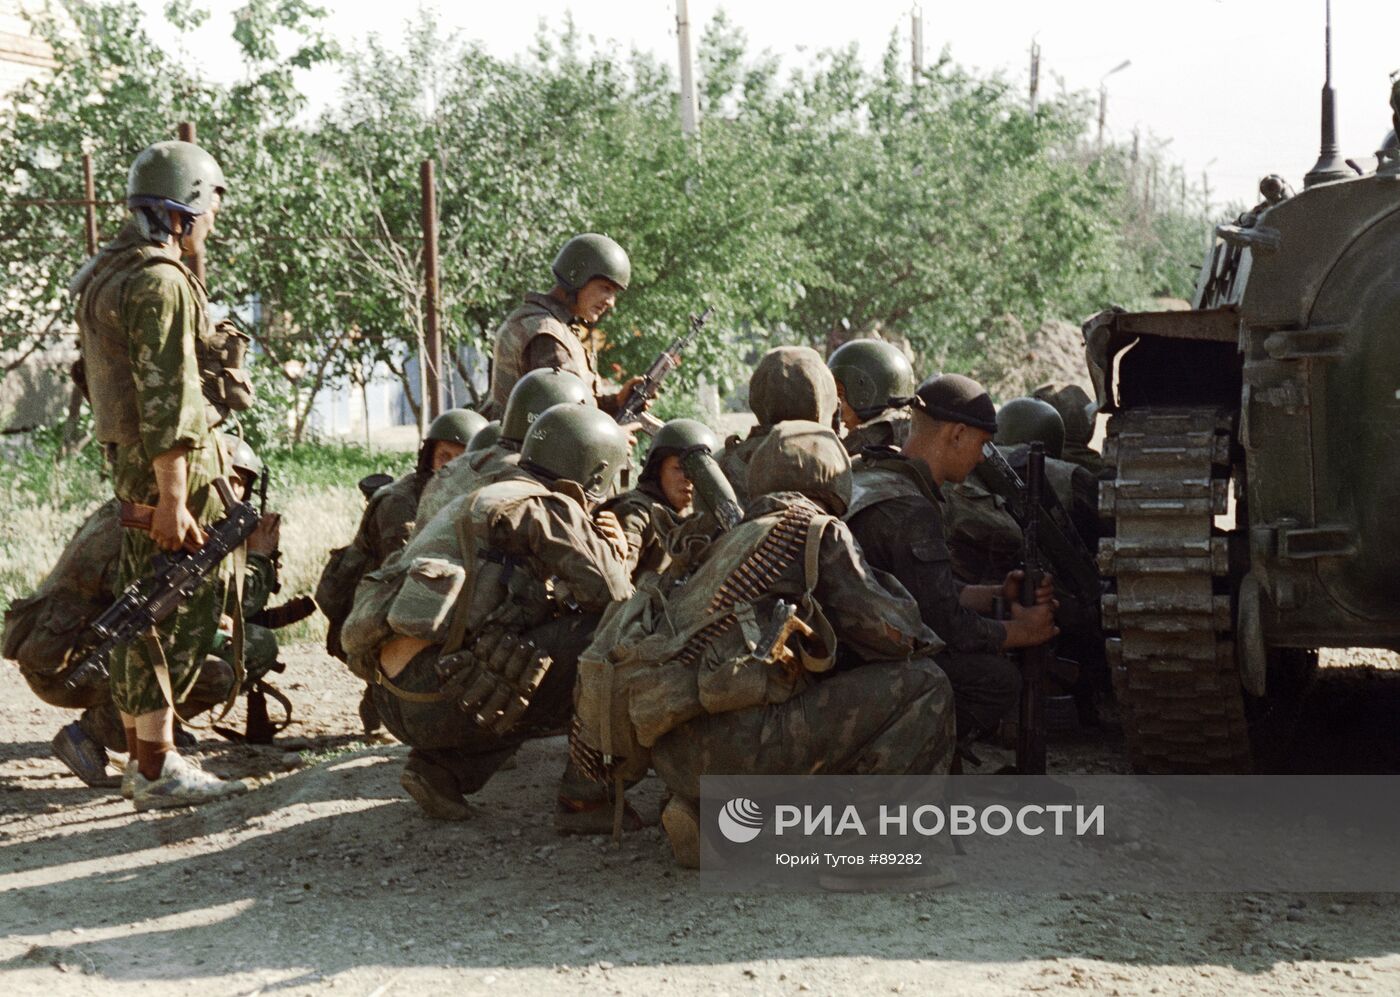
612, 531
1031, 625
172, 527
625, 392
1044, 590
266, 536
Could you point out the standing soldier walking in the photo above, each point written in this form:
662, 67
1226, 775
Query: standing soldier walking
142, 321
555, 330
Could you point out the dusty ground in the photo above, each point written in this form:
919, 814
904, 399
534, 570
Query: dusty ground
326, 878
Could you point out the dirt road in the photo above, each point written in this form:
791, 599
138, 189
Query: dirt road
326, 878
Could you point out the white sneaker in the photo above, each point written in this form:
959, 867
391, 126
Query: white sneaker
182, 783
129, 771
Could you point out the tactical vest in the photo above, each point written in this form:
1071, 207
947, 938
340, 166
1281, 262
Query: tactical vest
872, 485
463, 475
889, 429
105, 373
538, 316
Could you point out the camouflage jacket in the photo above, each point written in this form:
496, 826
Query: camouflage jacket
463, 475
734, 460
896, 514
645, 517
888, 429
541, 332
388, 520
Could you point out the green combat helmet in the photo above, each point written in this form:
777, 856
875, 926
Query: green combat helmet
792, 382
873, 374
1031, 420
592, 255
456, 425
485, 437
675, 439
242, 457
575, 443
535, 392
175, 176
1074, 405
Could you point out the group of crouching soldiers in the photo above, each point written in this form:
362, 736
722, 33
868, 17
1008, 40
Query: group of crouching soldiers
795, 601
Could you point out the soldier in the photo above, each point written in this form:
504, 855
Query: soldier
873, 381
857, 694
388, 520
40, 629
1023, 421
556, 330
897, 516
790, 382
466, 672
1077, 410
489, 457
664, 492
142, 317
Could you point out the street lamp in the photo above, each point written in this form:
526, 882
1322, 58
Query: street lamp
1103, 96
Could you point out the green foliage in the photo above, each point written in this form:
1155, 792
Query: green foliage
832, 201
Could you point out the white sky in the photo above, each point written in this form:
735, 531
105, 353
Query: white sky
1233, 84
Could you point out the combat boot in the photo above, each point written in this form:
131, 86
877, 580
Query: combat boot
129, 771
83, 756
434, 789
182, 783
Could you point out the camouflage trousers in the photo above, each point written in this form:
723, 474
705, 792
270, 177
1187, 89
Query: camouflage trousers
443, 735
986, 689
212, 685
186, 637
879, 719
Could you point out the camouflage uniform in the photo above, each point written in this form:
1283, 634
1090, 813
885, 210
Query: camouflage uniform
883, 708
542, 332
140, 317
889, 429
896, 514
645, 517
790, 382
562, 574
463, 475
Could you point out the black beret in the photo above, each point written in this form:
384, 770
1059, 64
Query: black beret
954, 398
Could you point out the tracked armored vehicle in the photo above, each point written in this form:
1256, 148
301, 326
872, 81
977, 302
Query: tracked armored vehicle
1255, 513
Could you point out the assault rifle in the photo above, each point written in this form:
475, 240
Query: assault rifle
149, 601
1030, 735
668, 361
1061, 547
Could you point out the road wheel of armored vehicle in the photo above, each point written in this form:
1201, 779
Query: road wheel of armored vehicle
1170, 609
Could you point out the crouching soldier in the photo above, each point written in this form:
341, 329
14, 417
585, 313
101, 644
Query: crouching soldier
779, 652
470, 636
40, 630
897, 516
873, 381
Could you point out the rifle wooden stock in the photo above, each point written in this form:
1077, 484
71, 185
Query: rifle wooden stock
137, 516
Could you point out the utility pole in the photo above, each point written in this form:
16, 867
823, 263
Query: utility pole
89, 205
185, 130
432, 402
1035, 75
690, 106
1103, 97
1133, 162
916, 44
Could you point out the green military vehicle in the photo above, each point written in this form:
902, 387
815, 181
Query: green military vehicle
1255, 513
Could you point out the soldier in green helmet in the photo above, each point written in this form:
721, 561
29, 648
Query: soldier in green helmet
143, 329
1023, 421
488, 458
385, 527
556, 330
470, 655
790, 382
874, 380
663, 495
1077, 411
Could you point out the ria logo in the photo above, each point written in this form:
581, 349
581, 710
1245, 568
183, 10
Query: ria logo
741, 820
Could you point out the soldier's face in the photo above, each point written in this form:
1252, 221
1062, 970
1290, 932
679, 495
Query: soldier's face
595, 299
445, 450
675, 485
849, 418
193, 238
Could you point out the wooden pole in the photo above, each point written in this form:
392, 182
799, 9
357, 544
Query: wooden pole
432, 298
916, 44
690, 109
186, 132
90, 205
